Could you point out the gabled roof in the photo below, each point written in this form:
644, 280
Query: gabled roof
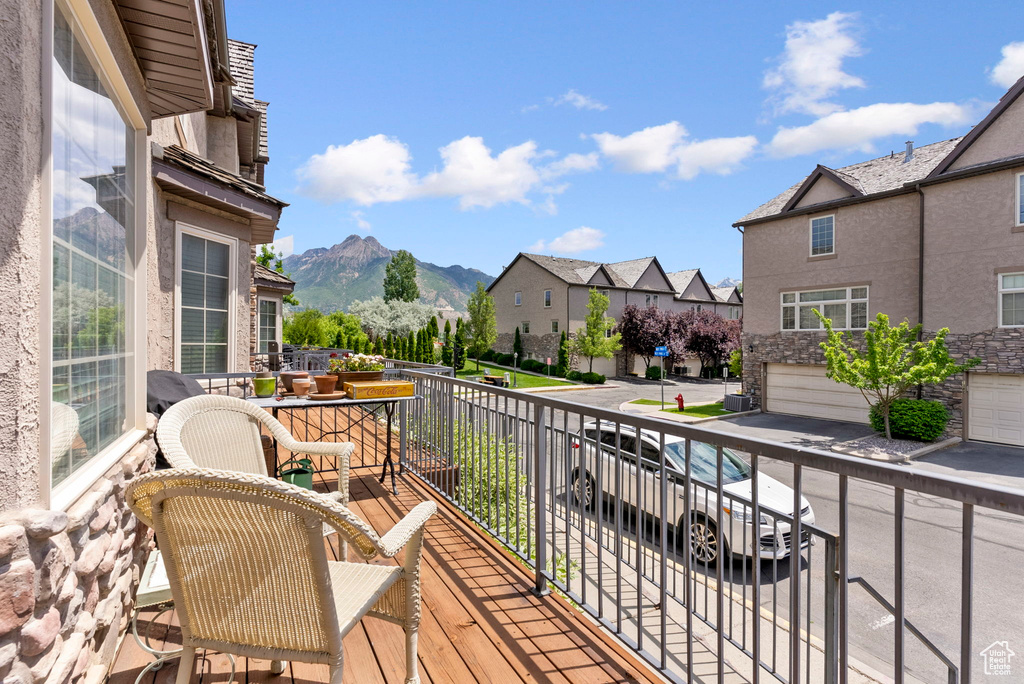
724, 294
622, 274
840, 178
268, 277
963, 143
874, 176
681, 280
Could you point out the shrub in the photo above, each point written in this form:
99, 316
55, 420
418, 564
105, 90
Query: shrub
593, 378
574, 375
503, 359
922, 420
653, 373
533, 365
488, 355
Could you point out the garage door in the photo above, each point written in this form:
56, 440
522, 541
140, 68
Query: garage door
995, 408
805, 391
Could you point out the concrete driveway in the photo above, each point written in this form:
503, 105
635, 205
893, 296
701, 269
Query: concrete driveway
796, 430
990, 463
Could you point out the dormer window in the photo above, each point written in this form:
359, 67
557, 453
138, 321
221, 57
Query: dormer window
823, 235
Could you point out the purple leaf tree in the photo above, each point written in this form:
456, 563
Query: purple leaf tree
642, 329
709, 337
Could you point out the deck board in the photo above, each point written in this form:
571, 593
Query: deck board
481, 622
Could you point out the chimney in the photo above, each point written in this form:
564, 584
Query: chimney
910, 151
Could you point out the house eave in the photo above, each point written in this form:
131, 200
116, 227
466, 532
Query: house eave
824, 206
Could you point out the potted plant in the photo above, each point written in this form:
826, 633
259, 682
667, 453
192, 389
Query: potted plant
357, 368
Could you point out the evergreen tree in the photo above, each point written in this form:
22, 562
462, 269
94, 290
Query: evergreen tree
378, 348
459, 347
562, 365
400, 349
400, 278
410, 352
389, 346
517, 345
432, 327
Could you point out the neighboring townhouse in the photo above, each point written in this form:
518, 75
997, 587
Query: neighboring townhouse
269, 289
545, 295
933, 235
133, 159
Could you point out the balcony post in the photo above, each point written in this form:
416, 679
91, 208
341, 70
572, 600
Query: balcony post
540, 509
831, 612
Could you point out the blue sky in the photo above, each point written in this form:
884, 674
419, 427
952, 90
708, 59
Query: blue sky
466, 132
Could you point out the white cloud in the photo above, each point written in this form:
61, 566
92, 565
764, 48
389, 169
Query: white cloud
361, 222
661, 148
810, 69
1010, 67
285, 246
857, 129
367, 171
571, 163
378, 169
579, 239
481, 180
580, 101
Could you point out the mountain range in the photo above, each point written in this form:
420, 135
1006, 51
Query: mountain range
331, 278
729, 282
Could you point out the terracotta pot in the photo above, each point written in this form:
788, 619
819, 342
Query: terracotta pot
358, 376
301, 386
325, 383
288, 376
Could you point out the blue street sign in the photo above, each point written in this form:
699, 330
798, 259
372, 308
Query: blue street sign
661, 351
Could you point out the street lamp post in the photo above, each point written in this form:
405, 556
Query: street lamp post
515, 368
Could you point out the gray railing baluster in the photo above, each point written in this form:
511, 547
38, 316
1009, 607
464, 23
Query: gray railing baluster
720, 563
844, 579
540, 450
795, 530
966, 593
901, 615
756, 571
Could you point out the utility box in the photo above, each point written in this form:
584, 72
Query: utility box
737, 403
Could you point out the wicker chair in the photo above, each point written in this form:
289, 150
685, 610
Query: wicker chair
249, 570
221, 432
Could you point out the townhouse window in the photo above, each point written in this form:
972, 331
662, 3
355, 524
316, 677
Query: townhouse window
847, 307
547, 299
204, 311
652, 300
604, 292
1020, 199
526, 327
1011, 300
519, 298
554, 326
92, 353
698, 308
268, 319
823, 235
734, 313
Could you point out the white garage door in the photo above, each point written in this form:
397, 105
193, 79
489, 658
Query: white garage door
805, 391
995, 408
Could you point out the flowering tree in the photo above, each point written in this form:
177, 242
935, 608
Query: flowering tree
641, 330
710, 337
396, 316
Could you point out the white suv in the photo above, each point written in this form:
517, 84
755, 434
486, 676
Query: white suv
644, 494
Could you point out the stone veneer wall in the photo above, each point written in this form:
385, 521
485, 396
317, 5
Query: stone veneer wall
68, 580
541, 346
1001, 350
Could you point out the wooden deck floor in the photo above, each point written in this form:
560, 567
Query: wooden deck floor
480, 622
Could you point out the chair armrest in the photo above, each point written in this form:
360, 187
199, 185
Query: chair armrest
344, 449
399, 535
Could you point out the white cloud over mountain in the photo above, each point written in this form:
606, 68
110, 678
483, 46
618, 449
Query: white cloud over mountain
580, 101
379, 169
667, 148
1011, 67
577, 240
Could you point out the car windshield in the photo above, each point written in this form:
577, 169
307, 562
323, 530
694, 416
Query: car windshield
705, 460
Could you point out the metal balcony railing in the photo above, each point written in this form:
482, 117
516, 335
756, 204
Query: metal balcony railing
611, 510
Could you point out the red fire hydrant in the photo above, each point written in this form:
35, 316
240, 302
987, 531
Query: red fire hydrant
679, 400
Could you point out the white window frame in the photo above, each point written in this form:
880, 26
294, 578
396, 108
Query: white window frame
277, 321
554, 325
547, 299
848, 300
524, 327
519, 298
1017, 207
651, 301
1006, 290
232, 243
810, 235
84, 22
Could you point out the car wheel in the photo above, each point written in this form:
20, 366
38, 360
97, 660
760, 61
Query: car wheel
706, 545
584, 489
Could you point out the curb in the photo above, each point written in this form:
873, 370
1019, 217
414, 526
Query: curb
850, 449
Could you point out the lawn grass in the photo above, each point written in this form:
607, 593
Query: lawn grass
524, 379
705, 411
649, 402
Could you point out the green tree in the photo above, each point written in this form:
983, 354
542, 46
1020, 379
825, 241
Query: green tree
562, 365
400, 278
268, 258
736, 362
448, 343
304, 328
517, 344
459, 346
389, 346
483, 326
593, 340
895, 359
432, 327
378, 347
